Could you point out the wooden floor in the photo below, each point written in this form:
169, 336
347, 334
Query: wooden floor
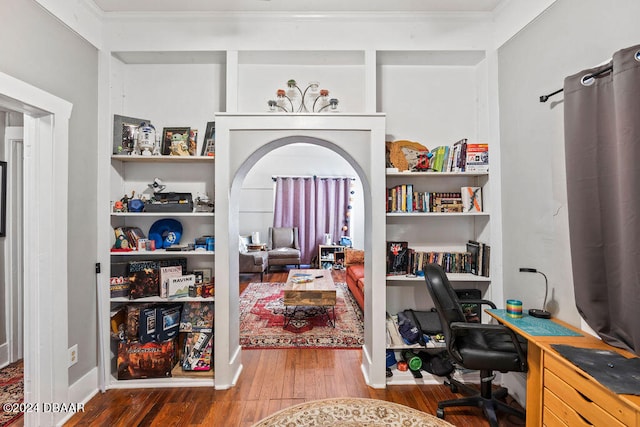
271, 380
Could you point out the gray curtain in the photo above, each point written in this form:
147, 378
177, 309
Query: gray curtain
602, 146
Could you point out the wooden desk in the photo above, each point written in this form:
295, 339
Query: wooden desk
561, 394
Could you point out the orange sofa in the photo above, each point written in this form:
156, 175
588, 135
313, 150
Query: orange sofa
354, 262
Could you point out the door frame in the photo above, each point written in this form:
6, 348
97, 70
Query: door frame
13, 244
45, 167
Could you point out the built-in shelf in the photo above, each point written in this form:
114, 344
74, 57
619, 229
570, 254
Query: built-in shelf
161, 252
453, 277
432, 214
162, 214
438, 174
163, 159
431, 345
160, 299
185, 381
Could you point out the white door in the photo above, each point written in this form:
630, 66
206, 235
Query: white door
13, 244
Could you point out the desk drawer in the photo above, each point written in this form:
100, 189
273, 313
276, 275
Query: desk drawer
549, 419
586, 397
565, 402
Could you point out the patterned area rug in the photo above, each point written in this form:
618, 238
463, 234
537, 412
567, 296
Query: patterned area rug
11, 391
351, 412
262, 321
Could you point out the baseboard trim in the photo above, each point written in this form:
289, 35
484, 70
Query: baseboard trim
81, 392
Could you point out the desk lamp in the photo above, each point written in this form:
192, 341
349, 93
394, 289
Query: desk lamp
535, 312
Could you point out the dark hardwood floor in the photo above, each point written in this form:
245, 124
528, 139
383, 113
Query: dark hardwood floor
271, 380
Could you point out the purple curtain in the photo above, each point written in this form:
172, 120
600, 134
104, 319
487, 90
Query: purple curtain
316, 206
602, 146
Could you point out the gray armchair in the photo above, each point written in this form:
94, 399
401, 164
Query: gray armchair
251, 262
283, 248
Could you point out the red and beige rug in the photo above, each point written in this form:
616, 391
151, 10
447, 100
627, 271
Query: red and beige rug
351, 412
11, 391
262, 321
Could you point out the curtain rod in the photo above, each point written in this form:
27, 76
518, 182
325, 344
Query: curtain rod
544, 98
275, 177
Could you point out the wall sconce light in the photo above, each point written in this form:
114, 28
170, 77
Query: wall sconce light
535, 312
294, 100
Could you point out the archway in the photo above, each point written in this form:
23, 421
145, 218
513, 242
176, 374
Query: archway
240, 141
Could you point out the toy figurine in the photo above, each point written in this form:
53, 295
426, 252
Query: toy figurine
118, 206
179, 145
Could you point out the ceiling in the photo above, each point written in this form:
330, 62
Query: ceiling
300, 6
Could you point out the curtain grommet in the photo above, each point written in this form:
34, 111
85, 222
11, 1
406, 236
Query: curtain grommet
637, 56
587, 80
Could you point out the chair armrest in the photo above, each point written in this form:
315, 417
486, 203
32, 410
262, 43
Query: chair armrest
458, 327
248, 259
478, 301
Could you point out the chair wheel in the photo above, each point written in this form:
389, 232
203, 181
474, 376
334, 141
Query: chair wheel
452, 386
440, 413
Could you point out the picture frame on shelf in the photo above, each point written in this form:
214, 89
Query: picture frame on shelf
124, 133
209, 142
3, 199
193, 142
175, 141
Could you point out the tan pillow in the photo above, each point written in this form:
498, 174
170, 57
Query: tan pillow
353, 256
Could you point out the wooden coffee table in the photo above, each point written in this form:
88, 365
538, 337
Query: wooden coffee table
310, 288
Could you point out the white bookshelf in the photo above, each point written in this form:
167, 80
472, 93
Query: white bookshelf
435, 95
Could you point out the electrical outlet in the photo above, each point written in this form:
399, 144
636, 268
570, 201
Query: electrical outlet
73, 355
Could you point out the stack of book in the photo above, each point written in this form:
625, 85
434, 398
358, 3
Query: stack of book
462, 156
479, 258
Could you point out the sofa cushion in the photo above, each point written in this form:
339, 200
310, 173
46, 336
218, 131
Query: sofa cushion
282, 253
355, 271
360, 284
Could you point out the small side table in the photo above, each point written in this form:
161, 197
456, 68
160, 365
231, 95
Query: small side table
257, 247
327, 255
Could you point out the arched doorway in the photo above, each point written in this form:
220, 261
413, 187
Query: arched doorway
242, 139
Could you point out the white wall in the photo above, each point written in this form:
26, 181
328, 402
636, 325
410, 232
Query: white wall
570, 36
256, 207
37, 49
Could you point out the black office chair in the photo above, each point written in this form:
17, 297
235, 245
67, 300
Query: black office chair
475, 346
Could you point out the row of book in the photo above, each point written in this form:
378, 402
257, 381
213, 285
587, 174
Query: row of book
403, 198
152, 339
165, 278
462, 156
451, 262
402, 260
